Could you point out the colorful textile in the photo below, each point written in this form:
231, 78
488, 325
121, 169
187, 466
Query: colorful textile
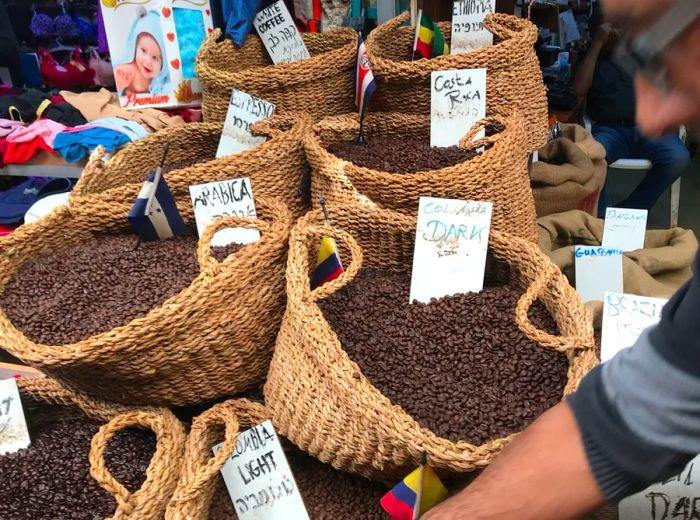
74, 145
239, 15
328, 265
24, 143
430, 41
131, 129
401, 500
162, 219
365, 85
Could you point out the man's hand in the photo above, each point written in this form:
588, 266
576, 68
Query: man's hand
603, 34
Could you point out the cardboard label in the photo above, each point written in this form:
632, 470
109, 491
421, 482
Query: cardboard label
14, 435
625, 316
452, 237
259, 480
625, 228
280, 35
232, 198
457, 101
598, 269
468, 31
243, 111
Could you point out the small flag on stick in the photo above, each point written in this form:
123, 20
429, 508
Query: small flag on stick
429, 41
415, 495
365, 85
328, 265
154, 215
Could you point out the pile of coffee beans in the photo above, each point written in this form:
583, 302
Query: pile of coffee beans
51, 479
459, 365
99, 285
328, 494
395, 155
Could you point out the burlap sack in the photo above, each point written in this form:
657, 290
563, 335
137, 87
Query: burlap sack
513, 75
318, 397
498, 175
213, 338
45, 399
570, 173
658, 270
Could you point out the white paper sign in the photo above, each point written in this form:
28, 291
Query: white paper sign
14, 435
625, 316
243, 111
259, 479
468, 31
676, 498
279, 34
625, 228
452, 237
457, 101
598, 269
232, 198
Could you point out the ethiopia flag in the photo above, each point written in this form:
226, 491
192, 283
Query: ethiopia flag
328, 266
430, 41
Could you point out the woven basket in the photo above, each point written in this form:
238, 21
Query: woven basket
192, 499
513, 76
213, 338
498, 175
319, 398
277, 167
321, 85
49, 398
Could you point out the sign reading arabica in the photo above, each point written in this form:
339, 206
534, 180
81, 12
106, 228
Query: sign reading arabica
457, 101
259, 480
279, 34
598, 269
625, 228
243, 111
14, 435
449, 257
468, 31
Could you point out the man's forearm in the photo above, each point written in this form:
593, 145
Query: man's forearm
542, 475
584, 75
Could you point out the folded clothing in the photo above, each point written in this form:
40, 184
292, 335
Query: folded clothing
15, 201
132, 129
22, 107
63, 113
7, 126
75, 144
23, 143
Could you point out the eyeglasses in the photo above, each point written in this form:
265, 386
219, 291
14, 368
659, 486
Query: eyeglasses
644, 53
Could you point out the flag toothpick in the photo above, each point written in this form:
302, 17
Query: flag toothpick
421, 482
327, 222
365, 85
156, 180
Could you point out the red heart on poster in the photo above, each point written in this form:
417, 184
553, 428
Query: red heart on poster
210, 30
207, 11
175, 63
166, 12
171, 36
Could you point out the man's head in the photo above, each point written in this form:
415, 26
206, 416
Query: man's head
659, 112
603, 31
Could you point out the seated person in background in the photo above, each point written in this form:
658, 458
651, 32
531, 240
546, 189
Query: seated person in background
610, 103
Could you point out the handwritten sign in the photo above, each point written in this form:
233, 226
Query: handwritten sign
449, 257
232, 198
625, 316
457, 101
468, 31
675, 498
280, 35
625, 228
259, 479
243, 111
14, 435
598, 269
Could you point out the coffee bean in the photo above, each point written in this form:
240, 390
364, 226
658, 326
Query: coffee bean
458, 365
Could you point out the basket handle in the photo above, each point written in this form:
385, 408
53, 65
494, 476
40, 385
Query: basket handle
348, 273
154, 421
94, 168
467, 141
274, 126
207, 262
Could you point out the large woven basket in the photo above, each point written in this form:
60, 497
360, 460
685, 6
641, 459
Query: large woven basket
319, 398
513, 76
200, 470
277, 167
498, 175
45, 398
321, 85
213, 338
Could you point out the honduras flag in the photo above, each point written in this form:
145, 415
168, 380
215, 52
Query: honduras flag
162, 219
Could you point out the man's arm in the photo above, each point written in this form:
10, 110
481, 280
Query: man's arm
584, 76
544, 474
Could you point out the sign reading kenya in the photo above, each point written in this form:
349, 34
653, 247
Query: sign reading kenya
259, 479
280, 35
232, 198
468, 31
14, 435
452, 237
457, 101
243, 111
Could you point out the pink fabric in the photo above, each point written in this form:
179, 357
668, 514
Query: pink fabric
44, 128
7, 126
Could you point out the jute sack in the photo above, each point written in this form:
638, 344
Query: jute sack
499, 174
277, 168
658, 270
319, 398
513, 75
321, 85
570, 173
45, 399
213, 338
199, 476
